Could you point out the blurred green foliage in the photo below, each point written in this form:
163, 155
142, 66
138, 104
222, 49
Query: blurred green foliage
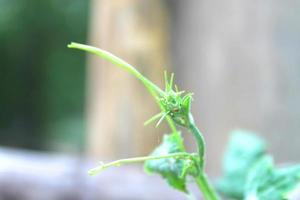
243, 150
249, 172
41, 81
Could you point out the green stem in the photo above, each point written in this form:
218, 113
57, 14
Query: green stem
200, 141
206, 188
152, 88
117, 61
204, 185
118, 163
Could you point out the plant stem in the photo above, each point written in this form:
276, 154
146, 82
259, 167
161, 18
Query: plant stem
152, 88
118, 163
155, 91
199, 139
204, 185
117, 61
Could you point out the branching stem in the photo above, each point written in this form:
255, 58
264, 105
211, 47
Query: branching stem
118, 163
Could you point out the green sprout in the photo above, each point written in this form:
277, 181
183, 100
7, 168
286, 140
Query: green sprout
176, 109
248, 172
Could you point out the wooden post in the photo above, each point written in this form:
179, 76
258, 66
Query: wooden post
228, 56
117, 103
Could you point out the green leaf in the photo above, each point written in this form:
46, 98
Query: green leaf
174, 170
264, 182
244, 150
258, 176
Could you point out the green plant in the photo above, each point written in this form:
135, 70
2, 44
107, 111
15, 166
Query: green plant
248, 172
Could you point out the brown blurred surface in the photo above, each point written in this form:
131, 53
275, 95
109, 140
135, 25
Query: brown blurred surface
117, 103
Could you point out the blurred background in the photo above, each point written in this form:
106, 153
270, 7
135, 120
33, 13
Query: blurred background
62, 110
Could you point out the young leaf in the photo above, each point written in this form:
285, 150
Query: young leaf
243, 151
174, 170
